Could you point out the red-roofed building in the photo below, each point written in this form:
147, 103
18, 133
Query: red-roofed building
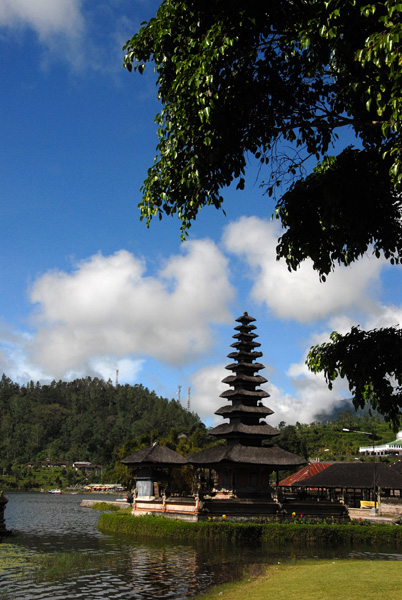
304, 473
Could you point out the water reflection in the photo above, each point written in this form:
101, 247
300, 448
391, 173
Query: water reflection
120, 567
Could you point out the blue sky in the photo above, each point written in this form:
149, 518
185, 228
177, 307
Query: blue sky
87, 289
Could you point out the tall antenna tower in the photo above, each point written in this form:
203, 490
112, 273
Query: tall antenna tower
188, 399
117, 377
178, 393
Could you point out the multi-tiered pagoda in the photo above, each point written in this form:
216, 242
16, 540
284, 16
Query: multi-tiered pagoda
243, 464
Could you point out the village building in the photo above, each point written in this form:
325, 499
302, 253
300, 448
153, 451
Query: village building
392, 448
48, 463
81, 465
307, 471
354, 484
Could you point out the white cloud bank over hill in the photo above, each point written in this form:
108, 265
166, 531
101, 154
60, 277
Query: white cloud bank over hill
299, 296
109, 313
311, 395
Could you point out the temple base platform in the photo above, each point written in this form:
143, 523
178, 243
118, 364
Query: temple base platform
239, 509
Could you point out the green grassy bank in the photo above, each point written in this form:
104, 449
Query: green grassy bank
353, 533
318, 580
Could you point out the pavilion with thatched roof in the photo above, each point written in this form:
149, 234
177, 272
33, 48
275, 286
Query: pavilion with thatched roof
147, 461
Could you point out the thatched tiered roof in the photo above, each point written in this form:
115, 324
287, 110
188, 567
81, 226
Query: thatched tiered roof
245, 426
240, 455
245, 431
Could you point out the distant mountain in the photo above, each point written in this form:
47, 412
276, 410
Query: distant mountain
342, 406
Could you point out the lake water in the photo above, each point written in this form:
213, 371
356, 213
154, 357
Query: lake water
108, 567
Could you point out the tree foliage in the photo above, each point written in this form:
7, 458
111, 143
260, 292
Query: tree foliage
278, 81
85, 419
370, 361
324, 439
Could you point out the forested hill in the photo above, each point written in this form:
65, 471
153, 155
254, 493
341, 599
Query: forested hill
86, 419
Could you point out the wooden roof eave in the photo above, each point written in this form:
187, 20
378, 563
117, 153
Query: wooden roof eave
154, 456
239, 455
243, 409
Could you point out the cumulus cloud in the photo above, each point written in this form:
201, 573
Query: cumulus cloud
13, 357
109, 306
311, 394
205, 390
85, 35
298, 295
46, 18
59, 24
310, 397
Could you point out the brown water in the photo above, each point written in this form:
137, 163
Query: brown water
119, 567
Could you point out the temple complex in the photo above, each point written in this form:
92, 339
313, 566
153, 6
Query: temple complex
232, 478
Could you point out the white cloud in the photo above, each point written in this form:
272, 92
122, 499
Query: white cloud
59, 25
206, 386
298, 295
310, 398
110, 307
311, 395
13, 357
125, 370
46, 18
86, 35
385, 316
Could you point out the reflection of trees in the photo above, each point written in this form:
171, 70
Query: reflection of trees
160, 570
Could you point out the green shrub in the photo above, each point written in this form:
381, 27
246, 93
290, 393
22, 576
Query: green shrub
106, 506
353, 534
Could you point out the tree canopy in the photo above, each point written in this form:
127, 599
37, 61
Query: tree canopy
239, 80
85, 419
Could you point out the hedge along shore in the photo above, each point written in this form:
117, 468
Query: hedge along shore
353, 534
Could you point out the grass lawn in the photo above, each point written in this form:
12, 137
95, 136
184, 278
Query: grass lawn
319, 580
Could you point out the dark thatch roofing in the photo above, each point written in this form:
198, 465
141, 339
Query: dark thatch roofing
397, 466
228, 429
242, 378
237, 454
240, 393
232, 410
245, 366
241, 355
354, 475
245, 318
154, 456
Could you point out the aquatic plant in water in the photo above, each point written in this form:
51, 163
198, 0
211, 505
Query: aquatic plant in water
60, 565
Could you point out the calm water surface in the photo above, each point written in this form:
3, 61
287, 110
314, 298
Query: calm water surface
108, 567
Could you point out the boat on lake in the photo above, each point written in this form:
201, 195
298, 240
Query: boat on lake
54, 491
